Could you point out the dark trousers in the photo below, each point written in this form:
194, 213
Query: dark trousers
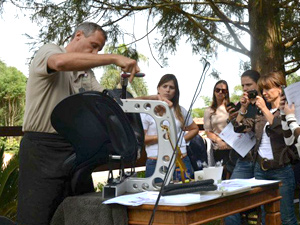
222, 155
43, 184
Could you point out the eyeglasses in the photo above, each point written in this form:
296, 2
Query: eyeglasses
223, 91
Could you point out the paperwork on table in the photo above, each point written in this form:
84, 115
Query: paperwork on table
226, 187
234, 186
149, 197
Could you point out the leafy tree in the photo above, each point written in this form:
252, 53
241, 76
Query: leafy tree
207, 100
271, 25
293, 78
9, 185
238, 91
12, 95
111, 77
198, 113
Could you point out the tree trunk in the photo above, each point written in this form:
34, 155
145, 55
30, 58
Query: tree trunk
267, 50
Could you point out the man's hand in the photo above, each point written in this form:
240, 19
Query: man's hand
127, 65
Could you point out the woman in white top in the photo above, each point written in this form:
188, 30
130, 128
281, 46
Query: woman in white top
168, 88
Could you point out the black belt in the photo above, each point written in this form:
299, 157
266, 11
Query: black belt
43, 136
267, 164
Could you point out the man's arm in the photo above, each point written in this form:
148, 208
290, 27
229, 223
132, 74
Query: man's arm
75, 61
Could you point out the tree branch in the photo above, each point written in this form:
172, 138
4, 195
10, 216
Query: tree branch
115, 21
292, 61
226, 20
208, 33
285, 4
293, 70
165, 4
291, 41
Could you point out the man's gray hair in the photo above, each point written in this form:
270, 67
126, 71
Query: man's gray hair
89, 28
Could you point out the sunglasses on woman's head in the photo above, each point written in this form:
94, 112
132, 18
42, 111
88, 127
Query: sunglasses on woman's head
223, 91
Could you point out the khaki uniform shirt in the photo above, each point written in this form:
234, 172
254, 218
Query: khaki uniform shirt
45, 90
85, 81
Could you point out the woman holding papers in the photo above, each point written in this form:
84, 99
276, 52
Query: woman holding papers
168, 88
271, 155
215, 120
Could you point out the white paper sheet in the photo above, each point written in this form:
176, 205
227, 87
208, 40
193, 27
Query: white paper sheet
149, 197
227, 187
234, 186
242, 143
292, 96
248, 182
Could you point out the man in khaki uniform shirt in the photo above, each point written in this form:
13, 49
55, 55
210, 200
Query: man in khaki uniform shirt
54, 75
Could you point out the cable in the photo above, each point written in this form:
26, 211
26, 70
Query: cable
147, 28
196, 94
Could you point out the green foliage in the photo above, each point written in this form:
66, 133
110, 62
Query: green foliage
198, 113
203, 24
8, 185
141, 174
99, 187
12, 95
207, 100
11, 144
292, 78
111, 77
238, 91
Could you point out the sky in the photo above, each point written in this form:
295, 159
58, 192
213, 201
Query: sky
187, 67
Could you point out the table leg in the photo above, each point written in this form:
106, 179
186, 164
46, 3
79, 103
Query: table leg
273, 213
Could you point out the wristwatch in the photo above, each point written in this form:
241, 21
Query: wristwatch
242, 114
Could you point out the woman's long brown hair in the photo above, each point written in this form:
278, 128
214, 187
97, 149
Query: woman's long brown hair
175, 100
214, 104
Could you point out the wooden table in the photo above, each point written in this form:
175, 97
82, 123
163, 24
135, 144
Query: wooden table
214, 209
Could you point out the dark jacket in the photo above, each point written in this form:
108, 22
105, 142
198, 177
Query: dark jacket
281, 152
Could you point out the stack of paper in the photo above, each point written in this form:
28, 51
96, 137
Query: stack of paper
227, 187
234, 186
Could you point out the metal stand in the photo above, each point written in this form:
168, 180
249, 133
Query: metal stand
134, 184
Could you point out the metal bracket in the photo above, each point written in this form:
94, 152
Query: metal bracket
164, 160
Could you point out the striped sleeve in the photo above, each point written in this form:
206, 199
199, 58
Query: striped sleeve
291, 130
287, 133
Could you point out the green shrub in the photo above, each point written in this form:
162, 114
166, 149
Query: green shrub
99, 187
11, 144
8, 185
